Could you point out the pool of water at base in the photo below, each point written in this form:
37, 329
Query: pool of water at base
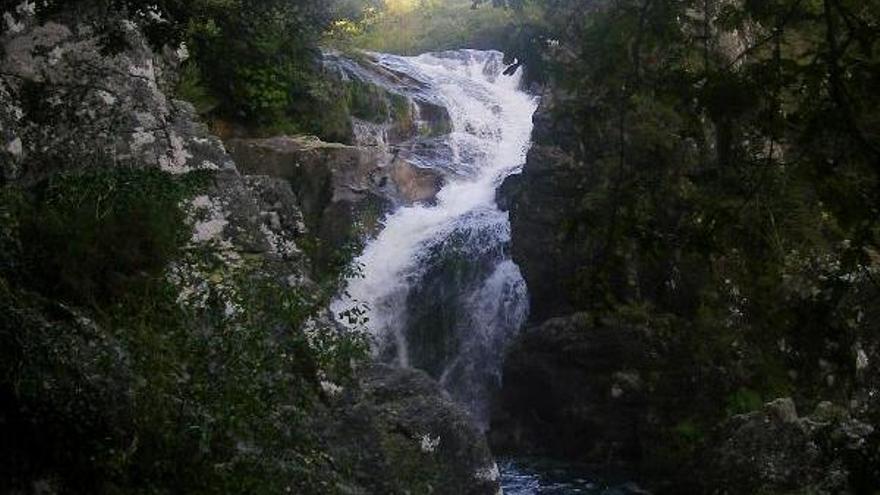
537, 476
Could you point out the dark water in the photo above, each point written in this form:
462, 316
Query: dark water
531, 476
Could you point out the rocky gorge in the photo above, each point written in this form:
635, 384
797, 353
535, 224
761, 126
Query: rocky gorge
631, 391
458, 280
257, 219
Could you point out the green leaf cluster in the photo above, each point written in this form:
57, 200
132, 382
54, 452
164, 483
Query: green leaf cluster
111, 382
730, 169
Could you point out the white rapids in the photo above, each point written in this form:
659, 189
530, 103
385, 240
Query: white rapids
445, 267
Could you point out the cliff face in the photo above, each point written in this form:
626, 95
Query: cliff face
539, 199
179, 316
631, 388
347, 187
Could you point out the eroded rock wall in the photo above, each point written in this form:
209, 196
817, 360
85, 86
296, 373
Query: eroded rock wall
634, 391
65, 105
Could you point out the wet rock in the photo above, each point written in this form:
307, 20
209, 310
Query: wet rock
402, 424
344, 190
539, 200
386, 102
411, 183
332, 172
570, 391
557, 244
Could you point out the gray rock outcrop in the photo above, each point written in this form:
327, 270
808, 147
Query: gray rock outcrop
344, 190
65, 105
774, 450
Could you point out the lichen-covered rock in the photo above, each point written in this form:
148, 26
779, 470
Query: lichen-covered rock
344, 190
242, 227
66, 103
402, 424
776, 451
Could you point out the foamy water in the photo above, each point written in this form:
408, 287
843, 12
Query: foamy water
481, 302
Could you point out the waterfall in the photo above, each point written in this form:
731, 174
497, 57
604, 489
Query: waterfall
438, 285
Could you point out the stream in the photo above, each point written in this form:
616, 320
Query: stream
440, 290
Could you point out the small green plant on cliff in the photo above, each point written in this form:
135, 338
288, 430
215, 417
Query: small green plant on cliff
254, 62
744, 400
90, 237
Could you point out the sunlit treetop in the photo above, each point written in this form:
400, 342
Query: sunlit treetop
400, 6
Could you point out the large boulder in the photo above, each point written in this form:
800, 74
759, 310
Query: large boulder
344, 190
540, 201
627, 396
562, 220
774, 450
575, 389
402, 424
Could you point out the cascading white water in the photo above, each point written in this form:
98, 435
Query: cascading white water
438, 284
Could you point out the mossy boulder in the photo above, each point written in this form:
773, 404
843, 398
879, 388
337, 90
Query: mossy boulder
402, 424
344, 190
775, 450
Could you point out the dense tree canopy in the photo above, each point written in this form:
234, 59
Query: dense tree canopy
731, 150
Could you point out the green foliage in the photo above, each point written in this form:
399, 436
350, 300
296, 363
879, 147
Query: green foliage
730, 182
258, 58
411, 28
689, 432
191, 87
367, 102
89, 237
124, 386
744, 400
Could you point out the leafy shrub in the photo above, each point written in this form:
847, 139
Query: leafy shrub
124, 389
191, 87
743, 401
88, 237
